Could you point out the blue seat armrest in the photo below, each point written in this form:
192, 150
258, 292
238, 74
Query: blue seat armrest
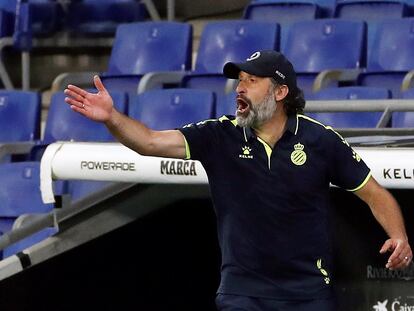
326, 77
16, 148
153, 80
408, 81
81, 79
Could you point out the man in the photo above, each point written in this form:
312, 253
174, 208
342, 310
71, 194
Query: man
269, 171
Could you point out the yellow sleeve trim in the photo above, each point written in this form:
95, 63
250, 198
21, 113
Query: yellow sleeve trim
187, 150
362, 184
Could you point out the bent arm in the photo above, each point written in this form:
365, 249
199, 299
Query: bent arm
388, 213
132, 133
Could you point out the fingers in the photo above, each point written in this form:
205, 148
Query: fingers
98, 84
387, 246
75, 103
76, 90
401, 256
74, 95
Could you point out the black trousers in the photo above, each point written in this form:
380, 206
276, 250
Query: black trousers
245, 303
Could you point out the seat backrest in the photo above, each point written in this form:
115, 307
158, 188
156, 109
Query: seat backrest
66, 125
372, 12
393, 46
46, 17
348, 119
352, 92
326, 7
226, 104
234, 40
282, 12
402, 119
408, 94
20, 189
19, 116
143, 47
7, 13
313, 46
172, 108
101, 17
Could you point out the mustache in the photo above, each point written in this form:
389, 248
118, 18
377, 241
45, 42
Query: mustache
244, 98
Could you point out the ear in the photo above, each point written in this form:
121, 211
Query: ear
281, 92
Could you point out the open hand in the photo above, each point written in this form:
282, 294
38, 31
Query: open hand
97, 107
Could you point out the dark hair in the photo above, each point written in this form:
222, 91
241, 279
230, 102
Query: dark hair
294, 102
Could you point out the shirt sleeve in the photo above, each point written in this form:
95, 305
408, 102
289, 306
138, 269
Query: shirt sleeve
348, 170
200, 139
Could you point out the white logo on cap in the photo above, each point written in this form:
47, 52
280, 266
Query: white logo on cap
254, 56
280, 74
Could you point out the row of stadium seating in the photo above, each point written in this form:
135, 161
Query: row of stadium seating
102, 16
78, 17
318, 49
21, 203
158, 109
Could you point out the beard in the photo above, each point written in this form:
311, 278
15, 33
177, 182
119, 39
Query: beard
256, 114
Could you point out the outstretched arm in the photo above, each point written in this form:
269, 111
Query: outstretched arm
133, 134
387, 212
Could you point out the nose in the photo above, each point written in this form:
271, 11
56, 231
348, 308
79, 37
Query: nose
240, 89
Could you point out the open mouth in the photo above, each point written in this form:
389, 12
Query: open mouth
243, 104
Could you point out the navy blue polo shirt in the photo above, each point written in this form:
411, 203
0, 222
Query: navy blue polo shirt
272, 204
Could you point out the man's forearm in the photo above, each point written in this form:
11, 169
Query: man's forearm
136, 136
388, 213
130, 132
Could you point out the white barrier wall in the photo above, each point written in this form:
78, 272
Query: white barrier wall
392, 167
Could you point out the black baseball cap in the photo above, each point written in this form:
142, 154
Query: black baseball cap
268, 63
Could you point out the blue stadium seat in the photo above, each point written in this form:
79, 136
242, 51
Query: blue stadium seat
101, 17
404, 119
226, 104
29, 241
408, 94
372, 12
46, 17
19, 116
325, 7
63, 124
347, 119
352, 92
7, 12
21, 189
285, 13
350, 119
20, 195
225, 41
391, 56
315, 46
140, 48
172, 108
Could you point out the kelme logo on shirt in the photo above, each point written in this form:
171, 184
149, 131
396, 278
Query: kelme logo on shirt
298, 156
246, 153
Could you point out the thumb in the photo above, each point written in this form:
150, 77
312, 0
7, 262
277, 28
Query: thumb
387, 246
98, 84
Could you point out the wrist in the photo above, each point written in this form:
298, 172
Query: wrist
113, 120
